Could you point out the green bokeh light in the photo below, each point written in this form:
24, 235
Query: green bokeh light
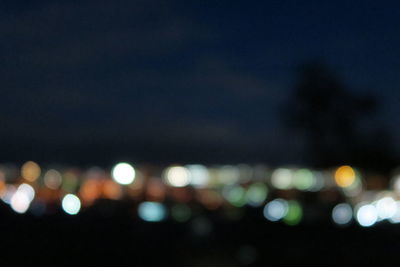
303, 179
236, 195
294, 214
256, 194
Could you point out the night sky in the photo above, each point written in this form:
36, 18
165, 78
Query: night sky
153, 80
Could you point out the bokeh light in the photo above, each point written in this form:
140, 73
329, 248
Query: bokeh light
155, 190
386, 208
123, 173
354, 189
342, 214
396, 183
319, 181
20, 202
70, 181
345, 176
111, 190
276, 209
90, 190
228, 175
30, 171
151, 211
367, 215
256, 194
199, 175
282, 178
235, 194
177, 176
71, 204
294, 213
8, 193
396, 217
52, 179
27, 190
303, 179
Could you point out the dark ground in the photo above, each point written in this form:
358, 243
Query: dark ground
96, 237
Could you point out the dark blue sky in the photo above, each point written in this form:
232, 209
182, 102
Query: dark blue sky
166, 73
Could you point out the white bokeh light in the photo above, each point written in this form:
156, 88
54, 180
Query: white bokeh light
8, 193
386, 208
177, 176
71, 204
199, 175
396, 217
367, 215
123, 173
396, 183
276, 209
282, 178
27, 190
20, 202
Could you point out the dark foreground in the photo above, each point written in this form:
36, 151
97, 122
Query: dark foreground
114, 237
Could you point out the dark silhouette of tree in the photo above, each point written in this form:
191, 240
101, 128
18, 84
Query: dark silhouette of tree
329, 117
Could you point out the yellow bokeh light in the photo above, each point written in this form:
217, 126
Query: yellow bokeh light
345, 176
30, 171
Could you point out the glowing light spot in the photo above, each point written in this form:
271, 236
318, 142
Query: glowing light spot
90, 190
123, 173
52, 179
386, 208
30, 171
181, 212
27, 190
236, 195
319, 182
294, 213
20, 202
276, 209
345, 176
3, 187
367, 215
155, 190
246, 173
70, 182
8, 193
151, 211
342, 214
354, 189
303, 179
396, 183
177, 176
228, 175
210, 199
396, 217
111, 189
71, 204
282, 178
256, 194
199, 175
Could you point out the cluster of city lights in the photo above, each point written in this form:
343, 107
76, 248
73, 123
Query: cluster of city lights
171, 192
